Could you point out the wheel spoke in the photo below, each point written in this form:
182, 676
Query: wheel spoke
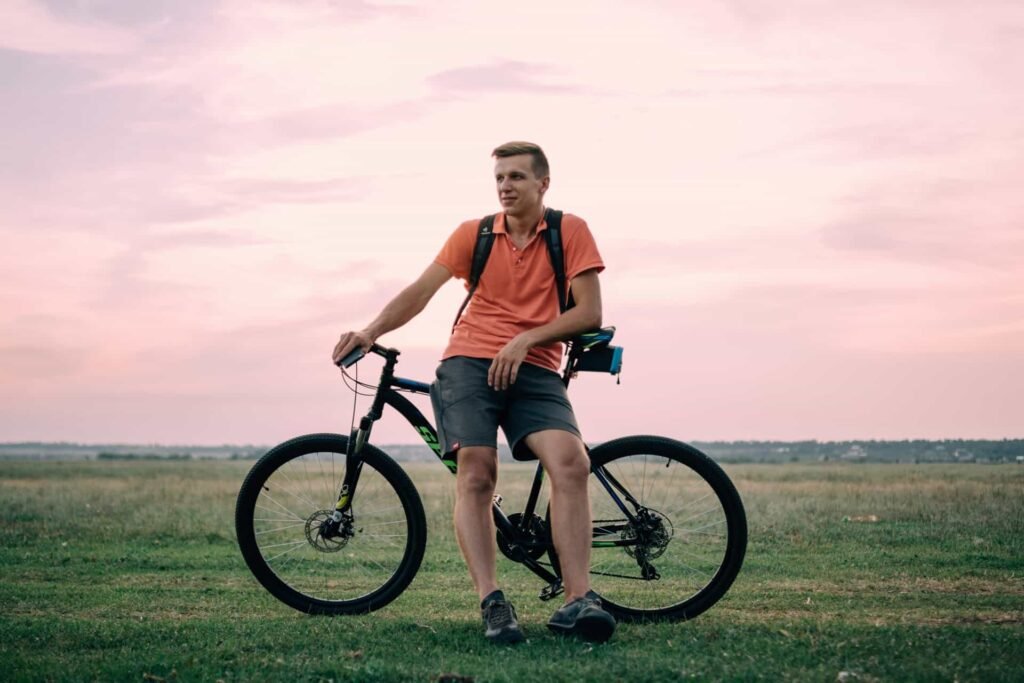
280, 528
295, 546
275, 502
298, 485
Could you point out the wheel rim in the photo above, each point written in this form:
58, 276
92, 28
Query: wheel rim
682, 538
289, 515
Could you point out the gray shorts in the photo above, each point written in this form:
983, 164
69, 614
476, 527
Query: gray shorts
469, 412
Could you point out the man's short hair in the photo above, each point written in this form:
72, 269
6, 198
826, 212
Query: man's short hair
512, 149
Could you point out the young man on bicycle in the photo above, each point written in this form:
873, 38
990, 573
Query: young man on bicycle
501, 369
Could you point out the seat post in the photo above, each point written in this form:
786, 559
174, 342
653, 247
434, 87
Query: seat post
531, 501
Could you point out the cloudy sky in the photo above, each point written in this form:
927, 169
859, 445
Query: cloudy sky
810, 210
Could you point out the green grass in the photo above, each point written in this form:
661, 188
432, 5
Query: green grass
129, 571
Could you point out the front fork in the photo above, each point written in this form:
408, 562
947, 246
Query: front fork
353, 467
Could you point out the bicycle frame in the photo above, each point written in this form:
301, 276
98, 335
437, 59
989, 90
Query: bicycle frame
516, 536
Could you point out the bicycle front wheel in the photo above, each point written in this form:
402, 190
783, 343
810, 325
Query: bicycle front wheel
284, 505
682, 543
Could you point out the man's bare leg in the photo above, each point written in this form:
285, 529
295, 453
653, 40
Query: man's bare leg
474, 527
474, 524
568, 467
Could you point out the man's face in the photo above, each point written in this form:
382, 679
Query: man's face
519, 190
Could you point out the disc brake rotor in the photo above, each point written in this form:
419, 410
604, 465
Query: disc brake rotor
314, 533
652, 532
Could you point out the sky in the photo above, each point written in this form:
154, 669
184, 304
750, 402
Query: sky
810, 211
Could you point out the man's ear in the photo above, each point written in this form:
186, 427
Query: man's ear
544, 184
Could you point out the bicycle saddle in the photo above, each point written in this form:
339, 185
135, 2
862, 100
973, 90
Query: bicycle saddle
594, 339
591, 352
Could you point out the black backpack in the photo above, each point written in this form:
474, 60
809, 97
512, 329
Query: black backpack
553, 238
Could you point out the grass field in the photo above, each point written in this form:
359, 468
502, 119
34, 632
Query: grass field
129, 571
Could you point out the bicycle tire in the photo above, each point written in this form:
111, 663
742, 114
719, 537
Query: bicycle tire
698, 529
286, 495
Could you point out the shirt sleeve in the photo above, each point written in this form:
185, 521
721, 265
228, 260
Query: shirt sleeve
581, 252
457, 253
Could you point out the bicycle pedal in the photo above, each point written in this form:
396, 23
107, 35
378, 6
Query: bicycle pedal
551, 591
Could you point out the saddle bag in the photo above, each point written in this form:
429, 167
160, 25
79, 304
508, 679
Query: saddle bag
604, 359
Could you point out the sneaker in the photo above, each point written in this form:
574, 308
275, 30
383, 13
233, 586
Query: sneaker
584, 617
500, 619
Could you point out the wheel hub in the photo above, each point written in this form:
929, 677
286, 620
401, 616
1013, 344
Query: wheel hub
652, 532
326, 535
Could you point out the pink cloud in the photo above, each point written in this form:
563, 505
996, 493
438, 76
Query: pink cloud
333, 121
926, 220
507, 76
27, 26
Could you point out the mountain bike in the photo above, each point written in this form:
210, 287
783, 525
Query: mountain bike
330, 524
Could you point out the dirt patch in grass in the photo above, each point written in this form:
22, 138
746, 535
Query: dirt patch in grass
118, 613
95, 486
1002, 618
901, 585
196, 582
872, 488
872, 617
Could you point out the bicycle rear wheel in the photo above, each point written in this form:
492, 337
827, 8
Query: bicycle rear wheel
284, 504
685, 543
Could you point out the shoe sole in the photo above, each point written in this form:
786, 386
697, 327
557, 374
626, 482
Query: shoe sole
596, 628
508, 637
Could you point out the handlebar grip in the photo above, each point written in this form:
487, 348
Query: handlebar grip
353, 356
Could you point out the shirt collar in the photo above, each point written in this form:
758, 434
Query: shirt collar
499, 222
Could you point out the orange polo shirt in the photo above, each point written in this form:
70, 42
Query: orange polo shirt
517, 289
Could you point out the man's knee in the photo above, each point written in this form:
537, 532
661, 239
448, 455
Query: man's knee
563, 455
572, 471
477, 471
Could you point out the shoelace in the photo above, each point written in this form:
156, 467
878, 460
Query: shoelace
586, 601
498, 613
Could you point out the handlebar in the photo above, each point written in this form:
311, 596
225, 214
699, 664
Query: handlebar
357, 354
353, 356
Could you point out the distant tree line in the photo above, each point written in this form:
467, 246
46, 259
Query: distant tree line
106, 455
910, 450
870, 450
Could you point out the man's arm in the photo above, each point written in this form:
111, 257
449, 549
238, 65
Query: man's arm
584, 316
400, 310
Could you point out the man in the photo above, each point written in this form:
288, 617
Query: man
501, 369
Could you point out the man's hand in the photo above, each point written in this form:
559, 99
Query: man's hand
505, 366
348, 342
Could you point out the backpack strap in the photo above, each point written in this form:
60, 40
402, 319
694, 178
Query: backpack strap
553, 237
481, 251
